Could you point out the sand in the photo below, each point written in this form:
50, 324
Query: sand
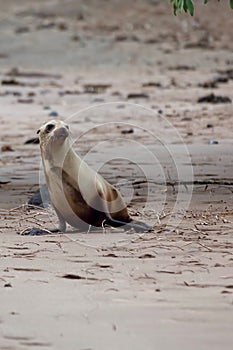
127, 77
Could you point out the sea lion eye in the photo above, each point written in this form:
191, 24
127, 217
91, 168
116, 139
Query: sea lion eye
49, 128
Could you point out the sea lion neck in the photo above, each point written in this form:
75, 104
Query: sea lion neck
57, 154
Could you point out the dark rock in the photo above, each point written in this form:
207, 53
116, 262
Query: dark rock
31, 94
221, 79
213, 83
116, 93
4, 182
69, 92
212, 98
152, 41
23, 29
182, 67
209, 84
127, 131
125, 37
80, 16
95, 88
212, 142
6, 148
12, 82
151, 84
8, 285
36, 198
75, 37
53, 114
186, 119
137, 95
25, 100
121, 37
72, 276
62, 26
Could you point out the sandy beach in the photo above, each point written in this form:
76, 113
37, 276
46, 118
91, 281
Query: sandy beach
148, 98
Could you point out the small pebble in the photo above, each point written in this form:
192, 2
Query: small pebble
7, 285
75, 37
137, 95
53, 114
127, 131
31, 94
22, 29
6, 148
62, 26
25, 100
186, 119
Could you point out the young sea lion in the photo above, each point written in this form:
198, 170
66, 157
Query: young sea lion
80, 196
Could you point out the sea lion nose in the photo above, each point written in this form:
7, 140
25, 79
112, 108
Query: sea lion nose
62, 132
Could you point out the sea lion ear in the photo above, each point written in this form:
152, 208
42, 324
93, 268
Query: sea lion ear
38, 131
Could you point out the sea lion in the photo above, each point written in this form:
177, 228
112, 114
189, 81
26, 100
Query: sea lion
81, 197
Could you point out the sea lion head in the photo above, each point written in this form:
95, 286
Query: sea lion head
52, 135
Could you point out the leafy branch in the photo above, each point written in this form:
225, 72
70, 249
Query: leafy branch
187, 5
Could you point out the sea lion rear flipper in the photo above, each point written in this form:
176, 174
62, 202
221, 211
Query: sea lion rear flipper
138, 226
123, 219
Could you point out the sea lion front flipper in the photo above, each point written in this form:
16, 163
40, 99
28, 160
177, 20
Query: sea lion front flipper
62, 222
39, 232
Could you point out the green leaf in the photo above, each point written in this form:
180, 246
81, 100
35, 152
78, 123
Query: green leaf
185, 6
175, 6
190, 7
181, 5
